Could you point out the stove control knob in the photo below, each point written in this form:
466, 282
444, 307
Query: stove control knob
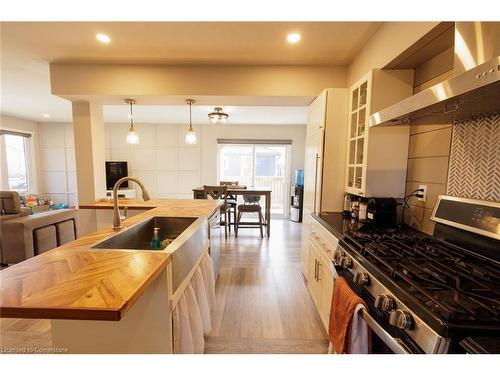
345, 262
361, 278
401, 319
385, 303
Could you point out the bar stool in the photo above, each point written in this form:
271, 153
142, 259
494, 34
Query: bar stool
251, 205
219, 192
231, 200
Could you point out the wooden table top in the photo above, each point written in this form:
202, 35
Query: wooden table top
169, 207
248, 189
75, 282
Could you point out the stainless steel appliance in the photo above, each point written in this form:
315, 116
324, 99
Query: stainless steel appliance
474, 89
214, 235
426, 294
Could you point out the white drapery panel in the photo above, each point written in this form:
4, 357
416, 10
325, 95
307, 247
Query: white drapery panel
192, 316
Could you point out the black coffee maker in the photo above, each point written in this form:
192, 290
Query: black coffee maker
382, 212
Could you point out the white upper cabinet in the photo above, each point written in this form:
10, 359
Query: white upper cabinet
377, 157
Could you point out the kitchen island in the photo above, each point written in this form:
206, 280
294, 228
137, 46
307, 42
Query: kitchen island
110, 300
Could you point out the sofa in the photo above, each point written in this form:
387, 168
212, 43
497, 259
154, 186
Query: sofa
23, 236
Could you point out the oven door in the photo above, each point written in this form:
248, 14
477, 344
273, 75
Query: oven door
385, 338
381, 340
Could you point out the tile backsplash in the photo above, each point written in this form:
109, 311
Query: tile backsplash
462, 160
475, 159
428, 158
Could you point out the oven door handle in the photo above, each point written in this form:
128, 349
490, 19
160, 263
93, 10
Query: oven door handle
395, 344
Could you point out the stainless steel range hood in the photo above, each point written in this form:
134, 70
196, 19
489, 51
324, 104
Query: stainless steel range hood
473, 91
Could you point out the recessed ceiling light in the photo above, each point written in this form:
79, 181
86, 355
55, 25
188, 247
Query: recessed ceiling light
293, 38
46, 115
103, 38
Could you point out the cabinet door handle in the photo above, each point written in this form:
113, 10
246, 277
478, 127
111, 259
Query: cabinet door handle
315, 269
317, 277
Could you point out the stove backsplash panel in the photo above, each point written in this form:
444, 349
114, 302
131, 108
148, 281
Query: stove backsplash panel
474, 167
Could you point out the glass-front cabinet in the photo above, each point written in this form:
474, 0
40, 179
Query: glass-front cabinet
377, 157
358, 123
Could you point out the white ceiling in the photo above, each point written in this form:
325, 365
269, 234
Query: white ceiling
28, 48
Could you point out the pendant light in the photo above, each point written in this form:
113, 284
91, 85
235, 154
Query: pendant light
132, 137
190, 134
217, 116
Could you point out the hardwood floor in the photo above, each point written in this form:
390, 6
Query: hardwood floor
262, 302
24, 334
263, 305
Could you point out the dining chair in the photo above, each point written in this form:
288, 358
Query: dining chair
219, 192
231, 200
251, 204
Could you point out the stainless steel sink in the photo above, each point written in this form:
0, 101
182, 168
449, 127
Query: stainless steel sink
138, 237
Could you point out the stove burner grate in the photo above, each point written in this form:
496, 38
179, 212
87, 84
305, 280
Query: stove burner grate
454, 283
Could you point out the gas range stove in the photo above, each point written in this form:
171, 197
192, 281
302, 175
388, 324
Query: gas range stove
430, 291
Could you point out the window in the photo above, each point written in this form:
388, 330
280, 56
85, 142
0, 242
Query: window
16, 164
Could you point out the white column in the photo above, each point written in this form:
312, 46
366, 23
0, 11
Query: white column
88, 128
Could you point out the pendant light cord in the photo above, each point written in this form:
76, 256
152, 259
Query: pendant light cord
131, 118
190, 124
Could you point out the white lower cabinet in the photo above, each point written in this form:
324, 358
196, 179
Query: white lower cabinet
325, 297
304, 246
319, 252
313, 282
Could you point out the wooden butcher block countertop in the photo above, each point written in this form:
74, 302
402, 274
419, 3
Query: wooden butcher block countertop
75, 282
135, 203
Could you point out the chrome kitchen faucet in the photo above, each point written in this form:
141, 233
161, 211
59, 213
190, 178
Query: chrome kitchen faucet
117, 219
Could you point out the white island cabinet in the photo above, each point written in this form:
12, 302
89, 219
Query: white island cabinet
109, 292
145, 328
156, 321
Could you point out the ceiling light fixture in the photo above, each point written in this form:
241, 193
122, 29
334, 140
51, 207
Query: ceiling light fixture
132, 136
46, 115
103, 38
217, 116
293, 38
190, 134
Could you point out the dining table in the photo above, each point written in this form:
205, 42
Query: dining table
199, 193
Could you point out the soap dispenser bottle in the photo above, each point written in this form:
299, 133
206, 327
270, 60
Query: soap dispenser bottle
155, 242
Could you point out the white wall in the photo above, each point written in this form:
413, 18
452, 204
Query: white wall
58, 167
12, 123
162, 160
167, 166
210, 133
171, 168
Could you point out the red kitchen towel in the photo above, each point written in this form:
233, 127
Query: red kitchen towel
344, 302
